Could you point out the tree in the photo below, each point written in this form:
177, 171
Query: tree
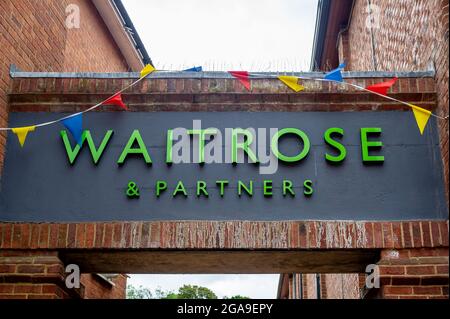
138, 293
193, 292
185, 292
145, 293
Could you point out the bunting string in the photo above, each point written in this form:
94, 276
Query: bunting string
305, 78
376, 93
74, 122
79, 113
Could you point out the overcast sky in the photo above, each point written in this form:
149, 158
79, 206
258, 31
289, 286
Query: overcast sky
224, 35
252, 35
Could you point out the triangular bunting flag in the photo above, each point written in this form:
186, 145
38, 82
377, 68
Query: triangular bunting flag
116, 100
243, 77
422, 116
194, 69
75, 126
336, 75
382, 88
292, 82
148, 69
22, 133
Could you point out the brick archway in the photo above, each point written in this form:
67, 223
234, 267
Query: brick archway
413, 255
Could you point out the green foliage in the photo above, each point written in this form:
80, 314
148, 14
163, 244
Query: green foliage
194, 292
185, 292
138, 293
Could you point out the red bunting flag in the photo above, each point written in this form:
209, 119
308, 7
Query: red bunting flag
116, 100
243, 77
382, 88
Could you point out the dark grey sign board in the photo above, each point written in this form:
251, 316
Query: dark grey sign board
39, 184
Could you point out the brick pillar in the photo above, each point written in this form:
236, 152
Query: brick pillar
340, 286
323, 286
414, 274
310, 286
292, 286
442, 75
32, 275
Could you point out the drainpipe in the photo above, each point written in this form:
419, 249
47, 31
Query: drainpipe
301, 286
318, 286
374, 58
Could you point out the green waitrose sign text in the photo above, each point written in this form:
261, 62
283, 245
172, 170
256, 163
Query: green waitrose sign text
137, 146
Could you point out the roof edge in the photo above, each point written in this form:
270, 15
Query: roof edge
16, 73
129, 24
120, 26
323, 12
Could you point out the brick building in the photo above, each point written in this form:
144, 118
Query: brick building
45, 36
42, 42
384, 35
317, 257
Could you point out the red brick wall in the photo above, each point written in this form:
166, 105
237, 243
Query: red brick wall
195, 94
91, 48
222, 94
31, 275
97, 288
340, 286
31, 291
28, 274
33, 36
414, 274
310, 286
236, 235
408, 35
420, 273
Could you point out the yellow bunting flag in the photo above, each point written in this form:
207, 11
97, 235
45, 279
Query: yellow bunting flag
22, 133
292, 82
422, 116
148, 69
